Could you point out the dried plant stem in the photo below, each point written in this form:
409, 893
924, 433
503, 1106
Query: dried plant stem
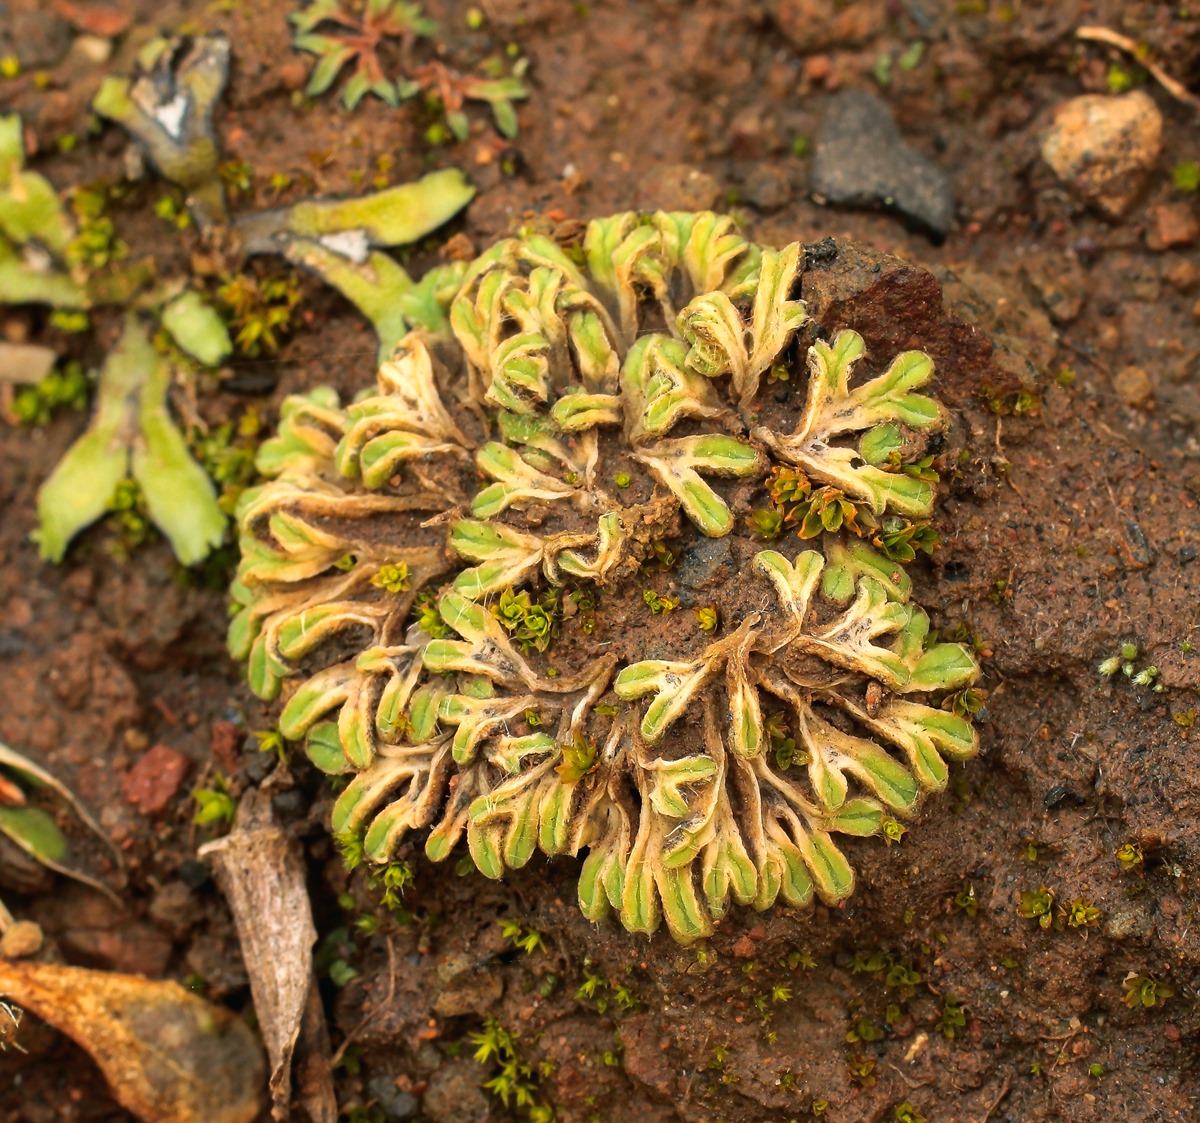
1123, 43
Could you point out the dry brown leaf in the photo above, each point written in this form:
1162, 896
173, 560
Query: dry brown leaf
169, 1056
261, 871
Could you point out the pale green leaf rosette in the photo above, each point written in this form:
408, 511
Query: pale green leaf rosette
447, 580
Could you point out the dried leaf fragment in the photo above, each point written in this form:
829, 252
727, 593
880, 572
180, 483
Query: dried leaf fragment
169, 1056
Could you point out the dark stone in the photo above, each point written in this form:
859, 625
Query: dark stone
193, 873
289, 805
257, 765
1060, 794
394, 1103
39, 39
454, 1094
704, 564
252, 383
862, 161
767, 187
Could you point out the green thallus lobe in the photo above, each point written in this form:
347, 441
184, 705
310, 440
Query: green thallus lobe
496, 444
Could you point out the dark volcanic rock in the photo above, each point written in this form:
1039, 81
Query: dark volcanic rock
862, 161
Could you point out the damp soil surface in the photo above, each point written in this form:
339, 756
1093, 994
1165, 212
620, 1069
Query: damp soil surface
1068, 353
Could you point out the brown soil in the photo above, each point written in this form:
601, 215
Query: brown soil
1065, 533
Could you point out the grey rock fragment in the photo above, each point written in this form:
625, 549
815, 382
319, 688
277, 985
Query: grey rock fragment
862, 160
454, 1094
394, 1103
38, 39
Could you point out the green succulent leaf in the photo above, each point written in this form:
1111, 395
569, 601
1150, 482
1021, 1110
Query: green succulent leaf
197, 328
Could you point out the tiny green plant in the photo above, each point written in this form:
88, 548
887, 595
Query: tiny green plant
1186, 176
394, 878
1126, 661
893, 831
1130, 856
658, 604
271, 741
532, 623
215, 805
966, 900
338, 36
1145, 991
953, 1018
514, 1084
1038, 904
1119, 78
393, 578
526, 940
864, 1030
65, 387
339, 33
1080, 914
861, 1070
906, 1113
259, 312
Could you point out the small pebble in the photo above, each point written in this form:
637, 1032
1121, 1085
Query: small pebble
1104, 147
155, 780
1133, 387
1108, 336
21, 940
1183, 275
1172, 225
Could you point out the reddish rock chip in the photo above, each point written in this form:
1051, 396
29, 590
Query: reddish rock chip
96, 18
224, 740
154, 781
1172, 225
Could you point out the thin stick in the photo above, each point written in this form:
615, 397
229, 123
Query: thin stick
1175, 88
336, 1059
996, 1101
906, 1078
7, 920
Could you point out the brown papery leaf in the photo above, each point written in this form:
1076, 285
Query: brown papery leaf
260, 869
169, 1056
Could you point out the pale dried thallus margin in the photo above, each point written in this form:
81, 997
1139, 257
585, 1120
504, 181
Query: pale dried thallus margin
660, 769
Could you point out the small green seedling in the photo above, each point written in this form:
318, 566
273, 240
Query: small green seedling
216, 804
1080, 914
1126, 662
1038, 904
953, 1018
526, 940
1145, 991
340, 33
515, 1082
1130, 856
1186, 176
